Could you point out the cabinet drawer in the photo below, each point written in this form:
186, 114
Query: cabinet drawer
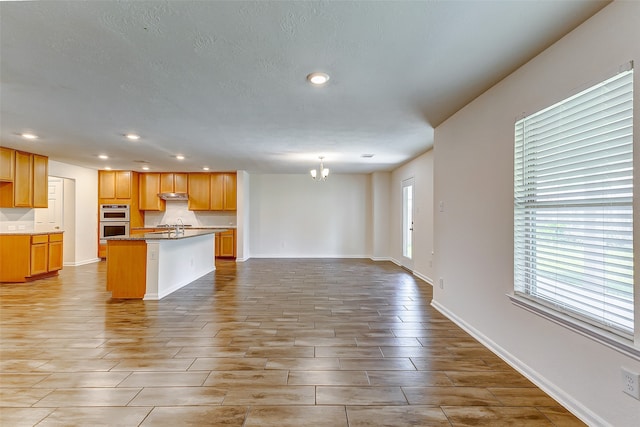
55, 237
41, 238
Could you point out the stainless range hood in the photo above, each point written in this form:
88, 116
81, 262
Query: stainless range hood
173, 196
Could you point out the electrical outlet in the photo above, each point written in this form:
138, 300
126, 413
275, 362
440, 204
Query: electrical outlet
631, 383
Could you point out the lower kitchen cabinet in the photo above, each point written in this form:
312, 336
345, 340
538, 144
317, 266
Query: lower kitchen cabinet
25, 257
226, 244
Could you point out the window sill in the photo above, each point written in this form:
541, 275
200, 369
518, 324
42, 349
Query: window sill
608, 339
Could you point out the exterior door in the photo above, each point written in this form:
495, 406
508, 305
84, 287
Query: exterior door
408, 207
52, 215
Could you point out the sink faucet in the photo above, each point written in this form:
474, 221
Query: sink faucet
180, 226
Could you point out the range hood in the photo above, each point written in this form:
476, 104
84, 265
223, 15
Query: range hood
173, 196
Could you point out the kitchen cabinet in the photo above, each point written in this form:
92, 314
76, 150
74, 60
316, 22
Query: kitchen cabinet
25, 257
199, 191
23, 180
39, 254
226, 244
40, 181
28, 186
114, 184
212, 191
149, 189
173, 183
7, 162
56, 257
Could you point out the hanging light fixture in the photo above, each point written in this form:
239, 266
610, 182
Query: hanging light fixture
323, 173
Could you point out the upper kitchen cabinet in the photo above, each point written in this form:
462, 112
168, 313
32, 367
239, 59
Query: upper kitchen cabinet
173, 182
28, 181
149, 189
212, 191
7, 163
40, 181
199, 191
114, 184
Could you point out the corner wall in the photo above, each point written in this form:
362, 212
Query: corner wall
474, 234
421, 169
86, 210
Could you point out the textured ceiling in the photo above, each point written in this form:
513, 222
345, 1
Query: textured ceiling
223, 82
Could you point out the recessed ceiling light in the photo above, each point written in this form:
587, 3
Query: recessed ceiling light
367, 156
108, 168
206, 168
318, 78
103, 156
180, 157
29, 135
145, 168
132, 136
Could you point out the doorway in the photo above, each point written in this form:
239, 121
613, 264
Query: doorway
408, 207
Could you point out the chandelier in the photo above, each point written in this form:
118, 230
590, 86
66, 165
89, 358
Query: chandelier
324, 173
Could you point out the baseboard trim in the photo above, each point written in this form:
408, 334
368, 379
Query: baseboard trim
423, 277
575, 407
83, 262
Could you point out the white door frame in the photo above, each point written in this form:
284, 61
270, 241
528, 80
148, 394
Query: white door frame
408, 218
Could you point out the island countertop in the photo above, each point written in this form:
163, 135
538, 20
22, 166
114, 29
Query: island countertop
169, 234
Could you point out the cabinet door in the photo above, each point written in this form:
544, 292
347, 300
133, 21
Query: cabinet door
123, 184
227, 244
23, 180
107, 184
55, 252
230, 190
149, 189
180, 182
217, 192
7, 161
199, 185
40, 181
39, 258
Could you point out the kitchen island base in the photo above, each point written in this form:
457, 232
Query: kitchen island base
151, 269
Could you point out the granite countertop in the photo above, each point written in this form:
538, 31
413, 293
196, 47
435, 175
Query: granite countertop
30, 232
192, 227
170, 234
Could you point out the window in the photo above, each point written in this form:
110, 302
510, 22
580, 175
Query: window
573, 206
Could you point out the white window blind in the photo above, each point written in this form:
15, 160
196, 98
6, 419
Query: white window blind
573, 205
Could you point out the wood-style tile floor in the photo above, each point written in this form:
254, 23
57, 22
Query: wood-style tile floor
261, 343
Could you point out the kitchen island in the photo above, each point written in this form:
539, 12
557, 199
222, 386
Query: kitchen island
153, 265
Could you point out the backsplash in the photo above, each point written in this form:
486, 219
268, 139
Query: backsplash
179, 209
17, 219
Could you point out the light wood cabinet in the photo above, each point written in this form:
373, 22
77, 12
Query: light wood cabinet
173, 183
114, 184
226, 244
212, 191
40, 181
7, 161
230, 192
56, 256
25, 257
199, 191
149, 189
39, 254
23, 180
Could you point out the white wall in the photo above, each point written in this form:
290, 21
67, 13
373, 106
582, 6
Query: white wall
86, 209
421, 169
294, 216
243, 217
474, 234
380, 215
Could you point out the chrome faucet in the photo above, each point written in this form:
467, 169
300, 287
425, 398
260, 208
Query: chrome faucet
180, 226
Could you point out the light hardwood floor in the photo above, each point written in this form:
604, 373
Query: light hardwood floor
260, 343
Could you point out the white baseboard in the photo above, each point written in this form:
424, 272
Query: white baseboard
380, 258
423, 277
566, 400
83, 262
